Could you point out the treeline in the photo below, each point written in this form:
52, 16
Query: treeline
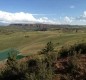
65, 64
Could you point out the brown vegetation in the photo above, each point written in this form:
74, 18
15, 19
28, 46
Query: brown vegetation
66, 64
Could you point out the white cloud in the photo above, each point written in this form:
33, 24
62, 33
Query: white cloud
79, 20
72, 6
21, 17
81, 17
46, 20
84, 14
67, 20
16, 17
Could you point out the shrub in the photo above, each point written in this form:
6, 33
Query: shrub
48, 48
78, 48
13, 70
32, 66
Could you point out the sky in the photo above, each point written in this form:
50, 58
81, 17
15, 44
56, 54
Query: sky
43, 11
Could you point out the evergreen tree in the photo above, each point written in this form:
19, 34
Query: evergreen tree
48, 48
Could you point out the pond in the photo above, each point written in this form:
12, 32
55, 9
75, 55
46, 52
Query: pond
5, 54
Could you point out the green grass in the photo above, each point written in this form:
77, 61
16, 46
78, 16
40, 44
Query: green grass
36, 40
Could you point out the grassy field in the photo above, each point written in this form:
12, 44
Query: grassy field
31, 42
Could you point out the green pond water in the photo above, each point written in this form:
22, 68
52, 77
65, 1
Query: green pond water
5, 54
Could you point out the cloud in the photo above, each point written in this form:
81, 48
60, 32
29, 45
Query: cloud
78, 20
84, 14
67, 20
81, 17
46, 20
72, 6
21, 17
16, 17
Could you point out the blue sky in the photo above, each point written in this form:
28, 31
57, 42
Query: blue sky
46, 11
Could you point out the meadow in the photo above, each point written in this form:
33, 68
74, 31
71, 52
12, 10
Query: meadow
30, 42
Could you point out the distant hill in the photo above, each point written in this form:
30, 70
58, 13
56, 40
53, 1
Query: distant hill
45, 25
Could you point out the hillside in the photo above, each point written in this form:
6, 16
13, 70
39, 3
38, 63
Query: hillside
64, 59
32, 41
66, 64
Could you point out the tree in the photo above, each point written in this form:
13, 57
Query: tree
48, 48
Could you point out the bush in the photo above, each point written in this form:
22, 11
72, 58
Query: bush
13, 70
43, 69
32, 66
48, 48
77, 48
